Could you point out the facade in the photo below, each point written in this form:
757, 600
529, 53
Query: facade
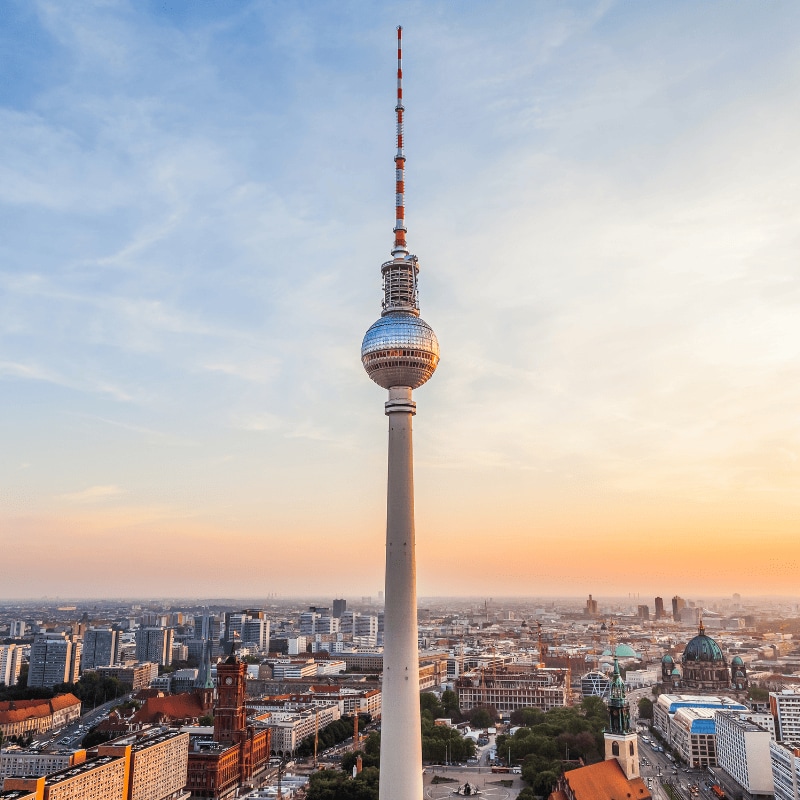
137, 676
743, 752
27, 717
55, 659
543, 689
785, 709
15, 762
659, 603
595, 684
100, 648
158, 763
103, 778
155, 645
400, 353
10, 663
678, 604
785, 763
339, 607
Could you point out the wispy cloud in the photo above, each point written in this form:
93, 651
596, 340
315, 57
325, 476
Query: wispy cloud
94, 494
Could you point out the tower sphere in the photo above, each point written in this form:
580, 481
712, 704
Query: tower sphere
400, 349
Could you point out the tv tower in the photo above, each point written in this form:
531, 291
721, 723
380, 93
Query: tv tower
400, 352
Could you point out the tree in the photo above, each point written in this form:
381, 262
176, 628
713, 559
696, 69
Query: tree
482, 716
450, 705
645, 708
336, 785
758, 694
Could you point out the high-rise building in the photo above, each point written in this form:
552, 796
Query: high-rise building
785, 709
400, 353
55, 659
154, 645
659, 603
643, 612
743, 752
785, 762
17, 629
10, 663
339, 607
100, 648
678, 604
591, 607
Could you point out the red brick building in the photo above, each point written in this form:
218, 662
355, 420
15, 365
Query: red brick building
238, 750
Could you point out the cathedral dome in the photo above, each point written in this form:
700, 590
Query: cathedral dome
736, 661
667, 659
703, 648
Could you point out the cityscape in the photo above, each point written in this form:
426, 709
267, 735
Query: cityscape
219, 578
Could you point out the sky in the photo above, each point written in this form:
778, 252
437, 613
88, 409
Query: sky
195, 201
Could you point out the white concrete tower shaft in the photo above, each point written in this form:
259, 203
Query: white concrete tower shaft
401, 742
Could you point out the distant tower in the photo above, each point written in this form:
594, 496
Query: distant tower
622, 743
400, 352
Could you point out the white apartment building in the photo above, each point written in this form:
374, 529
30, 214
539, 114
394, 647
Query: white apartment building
54, 659
290, 726
743, 751
10, 663
785, 708
785, 762
15, 761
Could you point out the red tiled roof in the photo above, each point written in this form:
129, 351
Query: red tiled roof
185, 706
605, 781
19, 710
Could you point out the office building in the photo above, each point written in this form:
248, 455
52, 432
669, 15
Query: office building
785, 709
154, 645
339, 607
743, 752
659, 604
100, 648
678, 604
785, 764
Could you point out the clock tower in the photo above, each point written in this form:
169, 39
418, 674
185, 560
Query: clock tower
230, 716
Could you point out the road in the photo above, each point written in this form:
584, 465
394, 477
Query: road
71, 735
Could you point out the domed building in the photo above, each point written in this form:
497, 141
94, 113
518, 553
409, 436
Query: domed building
738, 674
704, 665
667, 669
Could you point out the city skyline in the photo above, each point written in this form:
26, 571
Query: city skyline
604, 199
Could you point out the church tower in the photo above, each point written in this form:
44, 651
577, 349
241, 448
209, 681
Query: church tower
622, 743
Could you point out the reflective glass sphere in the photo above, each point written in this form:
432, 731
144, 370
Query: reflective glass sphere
400, 349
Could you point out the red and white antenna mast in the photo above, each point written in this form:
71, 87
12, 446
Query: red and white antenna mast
400, 159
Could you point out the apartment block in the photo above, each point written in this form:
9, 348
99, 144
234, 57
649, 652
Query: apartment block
743, 752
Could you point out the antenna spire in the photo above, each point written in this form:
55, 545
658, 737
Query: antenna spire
400, 247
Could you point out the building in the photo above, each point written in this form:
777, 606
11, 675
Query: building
687, 722
785, 709
239, 750
400, 353
158, 763
155, 645
659, 604
743, 752
28, 717
785, 763
339, 607
137, 676
10, 663
102, 778
100, 648
544, 688
55, 659
704, 665
15, 762
595, 684
591, 607
643, 612
678, 604
17, 629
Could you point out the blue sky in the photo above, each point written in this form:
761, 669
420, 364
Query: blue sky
195, 200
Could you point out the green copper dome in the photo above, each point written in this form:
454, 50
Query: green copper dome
736, 661
703, 648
